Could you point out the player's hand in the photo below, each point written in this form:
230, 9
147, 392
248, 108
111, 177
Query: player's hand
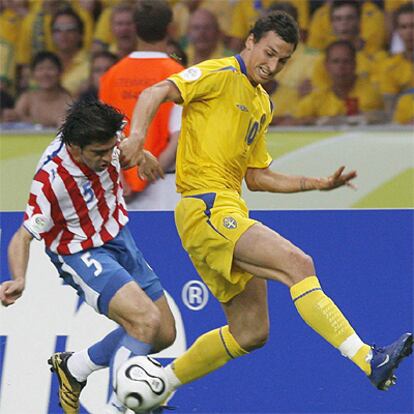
10, 291
338, 179
149, 167
131, 152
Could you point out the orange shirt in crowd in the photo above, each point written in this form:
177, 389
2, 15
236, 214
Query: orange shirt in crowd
121, 86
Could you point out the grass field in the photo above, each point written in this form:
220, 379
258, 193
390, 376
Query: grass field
385, 163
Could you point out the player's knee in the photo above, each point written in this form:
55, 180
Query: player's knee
170, 337
303, 265
144, 325
166, 338
308, 266
256, 339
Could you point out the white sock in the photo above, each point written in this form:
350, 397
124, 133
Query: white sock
351, 346
81, 366
173, 381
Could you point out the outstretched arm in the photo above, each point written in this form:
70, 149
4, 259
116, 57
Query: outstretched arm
265, 179
144, 111
18, 254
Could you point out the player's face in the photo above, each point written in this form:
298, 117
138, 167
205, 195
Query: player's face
96, 156
265, 58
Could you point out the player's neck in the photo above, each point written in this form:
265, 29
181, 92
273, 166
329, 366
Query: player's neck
152, 47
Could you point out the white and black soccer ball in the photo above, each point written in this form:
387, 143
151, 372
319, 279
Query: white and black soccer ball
141, 384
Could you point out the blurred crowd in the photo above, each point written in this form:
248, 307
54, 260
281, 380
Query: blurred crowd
354, 64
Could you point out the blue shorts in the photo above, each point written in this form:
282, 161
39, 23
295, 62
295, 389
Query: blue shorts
98, 273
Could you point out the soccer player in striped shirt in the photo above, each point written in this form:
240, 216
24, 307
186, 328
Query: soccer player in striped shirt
76, 206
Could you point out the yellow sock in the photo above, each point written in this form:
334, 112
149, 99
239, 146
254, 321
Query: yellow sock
323, 316
208, 353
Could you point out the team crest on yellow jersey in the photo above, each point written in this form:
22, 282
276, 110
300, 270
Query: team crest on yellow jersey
191, 74
230, 223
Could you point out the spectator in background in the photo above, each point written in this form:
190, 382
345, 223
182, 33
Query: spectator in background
183, 9
245, 13
37, 32
103, 37
47, 104
67, 28
100, 63
11, 18
293, 83
124, 82
123, 30
321, 32
348, 98
204, 37
345, 19
393, 41
397, 75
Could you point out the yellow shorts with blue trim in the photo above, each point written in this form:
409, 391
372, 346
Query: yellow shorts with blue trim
209, 225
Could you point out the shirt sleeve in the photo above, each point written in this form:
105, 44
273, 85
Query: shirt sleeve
198, 82
37, 217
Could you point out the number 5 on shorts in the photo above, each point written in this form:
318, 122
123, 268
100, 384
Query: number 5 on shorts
87, 259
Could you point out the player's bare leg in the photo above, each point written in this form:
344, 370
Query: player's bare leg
266, 254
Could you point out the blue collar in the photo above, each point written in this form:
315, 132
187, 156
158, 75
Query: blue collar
242, 64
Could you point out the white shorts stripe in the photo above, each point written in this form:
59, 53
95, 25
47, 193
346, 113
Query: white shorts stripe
91, 296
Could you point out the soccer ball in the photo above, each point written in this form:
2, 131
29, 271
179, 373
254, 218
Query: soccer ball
141, 384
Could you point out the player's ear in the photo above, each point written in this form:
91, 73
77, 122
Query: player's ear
249, 42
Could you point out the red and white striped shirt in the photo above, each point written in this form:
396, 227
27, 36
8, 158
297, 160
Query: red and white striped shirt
72, 207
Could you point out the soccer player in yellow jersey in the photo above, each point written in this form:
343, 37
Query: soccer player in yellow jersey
225, 118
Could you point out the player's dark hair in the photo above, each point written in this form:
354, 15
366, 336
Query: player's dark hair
152, 18
340, 3
346, 43
279, 22
404, 9
44, 55
89, 121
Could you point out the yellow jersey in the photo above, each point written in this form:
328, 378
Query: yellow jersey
368, 66
397, 75
225, 119
324, 102
404, 111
